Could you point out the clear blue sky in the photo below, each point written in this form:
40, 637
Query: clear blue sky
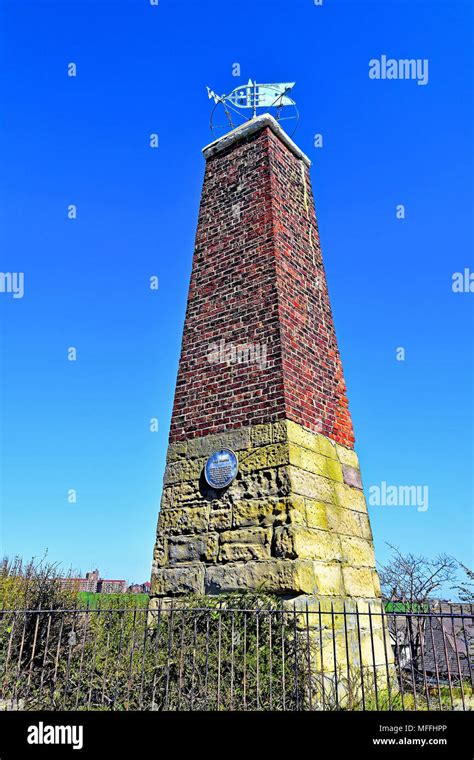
85, 141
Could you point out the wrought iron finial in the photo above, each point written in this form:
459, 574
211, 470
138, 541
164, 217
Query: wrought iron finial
250, 96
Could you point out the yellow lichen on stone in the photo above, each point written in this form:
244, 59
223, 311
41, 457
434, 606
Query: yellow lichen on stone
258, 512
358, 552
328, 578
347, 456
358, 581
350, 498
301, 436
312, 486
174, 521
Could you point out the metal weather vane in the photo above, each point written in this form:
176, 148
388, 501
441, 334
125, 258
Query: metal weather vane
250, 96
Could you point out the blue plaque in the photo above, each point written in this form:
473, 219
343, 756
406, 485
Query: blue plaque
221, 468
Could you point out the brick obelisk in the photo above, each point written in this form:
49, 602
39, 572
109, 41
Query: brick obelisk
260, 374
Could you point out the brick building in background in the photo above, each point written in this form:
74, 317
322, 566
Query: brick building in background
260, 375
94, 584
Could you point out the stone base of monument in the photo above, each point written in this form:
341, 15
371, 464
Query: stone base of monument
294, 520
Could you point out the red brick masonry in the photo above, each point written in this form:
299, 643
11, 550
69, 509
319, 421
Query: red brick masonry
258, 278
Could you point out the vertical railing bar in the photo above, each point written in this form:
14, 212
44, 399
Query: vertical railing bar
447, 660
71, 640
421, 629
146, 611
457, 658
168, 657
81, 662
283, 664
412, 668
35, 637
270, 657
399, 662
360, 657
308, 648
118, 660
96, 614
384, 636
206, 662
295, 636
157, 649
245, 661
219, 656
232, 654
334, 654
56, 664
130, 663
435, 657
373, 658
323, 685
468, 654
45, 654
193, 667
106, 660
257, 626
349, 686
181, 659
20, 655
5, 678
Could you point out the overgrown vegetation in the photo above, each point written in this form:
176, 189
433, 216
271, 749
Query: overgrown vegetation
242, 651
56, 652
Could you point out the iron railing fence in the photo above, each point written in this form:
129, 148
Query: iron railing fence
217, 658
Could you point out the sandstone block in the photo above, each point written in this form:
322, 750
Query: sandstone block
312, 486
170, 581
234, 439
326, 447
358, 552
307, 459
358, 581
258, 512
316, 516
183, 470
193, 548
279, 431
160, 552
347, 456
261, 435
350, 498
348, 522
263, 457
328, 578
292, 542
333, 469
273, 576
183, 520
176, 451
220, 519
181, 494
352, 476
296, 510
245, 544
302, 437
236, 552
